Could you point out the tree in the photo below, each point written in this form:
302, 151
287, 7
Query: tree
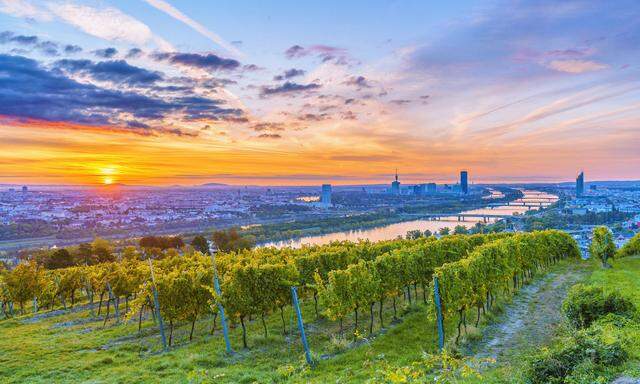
162, 242
200, 244
85, 254
444, 231
428, 233
59, 258
130, 253
102, 251
631, 248
602, 245
478, 228
231, 241
460, 230
24, 282
414, 234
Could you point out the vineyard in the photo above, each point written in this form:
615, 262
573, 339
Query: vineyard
337, 283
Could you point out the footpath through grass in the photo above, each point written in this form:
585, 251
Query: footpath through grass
623, 277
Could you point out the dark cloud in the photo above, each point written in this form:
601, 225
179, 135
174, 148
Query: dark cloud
209, 61
47, 47
231, 118
267, 126
10, 37
288, 88
24, 40
295, 52
323, 52
137, 124
359, 82
400, 101
252, 67
106, 53
290, 73
270, 136
117, 71
70, 48
27, 90
134, 53
237, 43
348, 115
314, 116
206, 83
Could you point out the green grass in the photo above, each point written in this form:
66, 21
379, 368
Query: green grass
74, 347
624, 277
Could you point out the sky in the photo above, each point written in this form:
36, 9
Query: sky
167, 92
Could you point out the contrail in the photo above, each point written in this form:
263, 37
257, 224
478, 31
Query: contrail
176, 14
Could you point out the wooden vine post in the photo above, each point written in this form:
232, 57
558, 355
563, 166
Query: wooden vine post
303, 337
156, 305
216, 286
436, 297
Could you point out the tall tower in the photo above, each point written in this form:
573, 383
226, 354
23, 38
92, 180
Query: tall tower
395, 185
325, 197
464, 182
580, 185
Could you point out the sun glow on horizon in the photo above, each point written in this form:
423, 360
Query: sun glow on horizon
107, 174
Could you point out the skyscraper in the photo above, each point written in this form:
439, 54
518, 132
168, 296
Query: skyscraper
395, 185
325, 197
580, 185
419, 189
464, 183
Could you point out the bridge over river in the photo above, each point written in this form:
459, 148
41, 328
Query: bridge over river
463, 216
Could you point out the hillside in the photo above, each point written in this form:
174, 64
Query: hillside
78, 345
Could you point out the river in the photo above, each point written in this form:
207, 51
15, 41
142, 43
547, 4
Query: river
392, 231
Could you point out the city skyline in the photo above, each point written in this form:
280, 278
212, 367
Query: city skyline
156, 92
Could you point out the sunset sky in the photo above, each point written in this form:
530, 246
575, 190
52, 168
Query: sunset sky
188, 92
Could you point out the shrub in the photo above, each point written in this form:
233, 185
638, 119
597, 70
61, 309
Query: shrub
566, 360
631, 248
586, 303
602, 245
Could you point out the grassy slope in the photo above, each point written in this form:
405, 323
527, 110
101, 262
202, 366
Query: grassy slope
623, 277
75, 348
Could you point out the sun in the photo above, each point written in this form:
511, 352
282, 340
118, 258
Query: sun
108, 174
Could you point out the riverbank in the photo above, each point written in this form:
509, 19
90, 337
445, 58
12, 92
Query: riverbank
390, 229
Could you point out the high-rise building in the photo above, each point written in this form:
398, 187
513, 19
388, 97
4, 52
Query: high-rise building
325, 197
464, 182
395, 185
580, 184
431, 187
419, 189
25, 188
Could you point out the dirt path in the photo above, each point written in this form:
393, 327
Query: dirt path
531, 318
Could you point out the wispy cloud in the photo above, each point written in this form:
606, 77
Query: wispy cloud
176, 14
576, 66
25, 9
107, 23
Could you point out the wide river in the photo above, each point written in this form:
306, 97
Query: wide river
392, 231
